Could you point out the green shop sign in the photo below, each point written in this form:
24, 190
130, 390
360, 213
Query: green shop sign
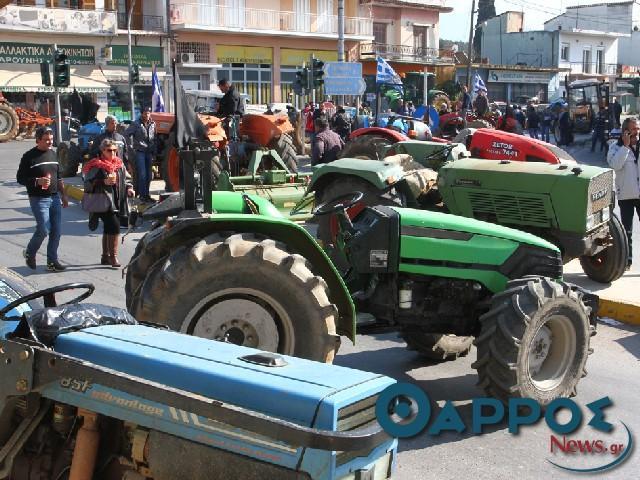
11, 52
143, 56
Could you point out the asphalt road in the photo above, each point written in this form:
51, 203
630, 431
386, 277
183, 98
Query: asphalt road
613, 368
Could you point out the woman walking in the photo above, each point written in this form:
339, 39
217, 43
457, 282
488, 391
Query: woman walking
106, 174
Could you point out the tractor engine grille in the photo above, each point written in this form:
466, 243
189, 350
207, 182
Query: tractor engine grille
357, 415
509, 209
600, 192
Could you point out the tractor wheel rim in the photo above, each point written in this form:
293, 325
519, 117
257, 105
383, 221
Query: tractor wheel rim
242, 316
551, 352
4, 122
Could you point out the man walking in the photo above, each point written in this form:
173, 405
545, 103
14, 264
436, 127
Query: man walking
616, 108
466, 106
40, 173
143, 132
623, 158
110, 124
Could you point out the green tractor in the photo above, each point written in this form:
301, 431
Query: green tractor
243, 273
568, 204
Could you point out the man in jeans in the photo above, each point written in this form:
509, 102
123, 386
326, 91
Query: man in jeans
40, 173
143, 132
623, 158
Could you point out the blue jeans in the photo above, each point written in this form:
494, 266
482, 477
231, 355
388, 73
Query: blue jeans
545, 133
48, 214
143, 173
533, 133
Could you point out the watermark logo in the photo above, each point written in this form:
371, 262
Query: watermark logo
404, 410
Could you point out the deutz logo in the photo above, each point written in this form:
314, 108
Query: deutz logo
599, 194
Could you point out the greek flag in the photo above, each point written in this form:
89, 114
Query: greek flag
156, 99
478, 85
386, 74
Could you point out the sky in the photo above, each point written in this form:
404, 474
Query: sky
455, 25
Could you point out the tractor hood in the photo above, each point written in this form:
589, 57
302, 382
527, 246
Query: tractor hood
410, 217
378, 173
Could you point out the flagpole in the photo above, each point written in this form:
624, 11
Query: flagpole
470, 47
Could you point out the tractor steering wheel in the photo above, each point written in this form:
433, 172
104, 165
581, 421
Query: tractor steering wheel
341, 202
49, 296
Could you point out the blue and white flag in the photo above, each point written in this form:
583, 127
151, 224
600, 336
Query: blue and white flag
478, 85
386, 74
156, 100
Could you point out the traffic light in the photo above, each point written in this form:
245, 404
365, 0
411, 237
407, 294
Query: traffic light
135, 74
44, 73
301, 82
318, 75
61, 74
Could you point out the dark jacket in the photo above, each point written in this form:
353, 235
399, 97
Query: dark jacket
533, 120
144, 136
94, 183
466, 101
36, 164
342, 125
117, 138
326, 146
231, 103
482, 105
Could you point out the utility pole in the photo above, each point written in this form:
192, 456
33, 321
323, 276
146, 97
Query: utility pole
470, 49
57, 98
341, 38
130, 62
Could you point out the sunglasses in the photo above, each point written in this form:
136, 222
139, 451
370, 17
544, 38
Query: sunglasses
111, 150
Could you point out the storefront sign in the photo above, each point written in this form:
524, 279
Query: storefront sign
143, 56
292, 57
242, 54
512, 76
60, 20
43, 89
11, 52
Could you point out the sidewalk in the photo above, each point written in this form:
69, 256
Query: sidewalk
74, 188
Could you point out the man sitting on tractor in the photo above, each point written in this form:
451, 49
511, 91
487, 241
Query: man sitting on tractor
230, 103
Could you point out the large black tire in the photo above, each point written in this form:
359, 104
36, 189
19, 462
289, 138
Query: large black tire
366, 147
610, 264
9, 123
342, 186
284, 146
242, 288
69, 158
534, 341
436, 346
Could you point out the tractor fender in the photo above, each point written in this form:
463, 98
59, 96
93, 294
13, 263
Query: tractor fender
180, 231
375, 172
392, 135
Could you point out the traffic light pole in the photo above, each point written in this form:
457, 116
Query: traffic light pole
312, 87
57, 98
130, 62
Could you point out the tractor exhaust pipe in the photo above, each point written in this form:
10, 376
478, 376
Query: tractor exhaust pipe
85, 452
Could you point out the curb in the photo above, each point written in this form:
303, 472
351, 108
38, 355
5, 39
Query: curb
625, 312
74, 192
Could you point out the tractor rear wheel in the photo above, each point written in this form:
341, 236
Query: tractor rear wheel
284, 146
609, 264
69, 158
9, 123
367, 147
342, 186
436, 346
534, 341
171, 166
244, 289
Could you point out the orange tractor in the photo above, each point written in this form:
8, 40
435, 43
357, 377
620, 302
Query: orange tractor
256, 133
16, 121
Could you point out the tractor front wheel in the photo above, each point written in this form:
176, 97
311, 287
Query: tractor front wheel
244, 289
534, 341
9, 123
435, 346
609, 264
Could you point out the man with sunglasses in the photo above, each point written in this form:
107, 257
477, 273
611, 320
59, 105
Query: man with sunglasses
40, 173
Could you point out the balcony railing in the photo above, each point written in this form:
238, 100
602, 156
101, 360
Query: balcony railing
59, 20
150, 23
405, 52
591, 68
214, 16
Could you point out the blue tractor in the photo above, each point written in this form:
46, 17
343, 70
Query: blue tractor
72, 154
88, 392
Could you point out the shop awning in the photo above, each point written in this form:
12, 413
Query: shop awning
85, 79
118, 75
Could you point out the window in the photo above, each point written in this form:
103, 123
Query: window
586, 60
201, 50
252, 79
420, 38
564, 52
380, 33
600, 61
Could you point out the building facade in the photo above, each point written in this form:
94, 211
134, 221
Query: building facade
94, 37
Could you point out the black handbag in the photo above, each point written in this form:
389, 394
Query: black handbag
95, 202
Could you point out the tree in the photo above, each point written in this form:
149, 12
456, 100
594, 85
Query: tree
486, 10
